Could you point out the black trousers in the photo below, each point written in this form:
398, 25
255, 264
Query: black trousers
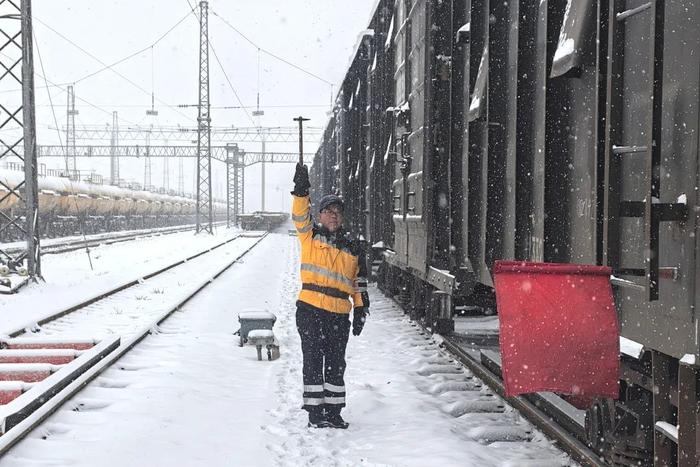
324, 336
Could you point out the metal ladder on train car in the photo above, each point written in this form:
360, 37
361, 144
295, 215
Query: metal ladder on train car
650, 209
672, 445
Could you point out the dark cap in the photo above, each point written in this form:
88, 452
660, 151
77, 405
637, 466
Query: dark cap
329, 200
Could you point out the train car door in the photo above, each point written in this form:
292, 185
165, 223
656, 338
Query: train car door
651, 170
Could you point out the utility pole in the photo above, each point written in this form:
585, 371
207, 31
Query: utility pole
147, 170
240, 182
18, 130
113, 159
31, 191
263, 176
180, 176
71, 165
166, 174
147, 167
233, 166
204, 207
259, 113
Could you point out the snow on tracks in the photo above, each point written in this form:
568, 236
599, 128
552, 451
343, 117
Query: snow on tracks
134, 303
410, 403
68, 384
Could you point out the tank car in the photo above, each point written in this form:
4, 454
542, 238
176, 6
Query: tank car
69, 207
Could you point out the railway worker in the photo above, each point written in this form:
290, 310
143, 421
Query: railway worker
333, 270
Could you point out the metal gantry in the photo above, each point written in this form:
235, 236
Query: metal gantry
178, 133
18, 139
204, 208
218, 153
181, 177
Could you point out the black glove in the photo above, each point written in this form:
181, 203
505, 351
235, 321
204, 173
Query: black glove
358, 320
301, 181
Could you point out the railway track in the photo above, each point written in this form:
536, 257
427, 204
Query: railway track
64, 245
41, 369
482, 377
546, 411
468, 394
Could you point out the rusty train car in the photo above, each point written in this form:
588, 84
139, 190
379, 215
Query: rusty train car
470, 131
72, 207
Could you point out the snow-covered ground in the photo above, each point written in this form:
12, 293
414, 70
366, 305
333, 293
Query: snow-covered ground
129, 311
189, 395
73, 276
100, 236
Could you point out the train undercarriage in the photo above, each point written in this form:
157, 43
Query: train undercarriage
649, 420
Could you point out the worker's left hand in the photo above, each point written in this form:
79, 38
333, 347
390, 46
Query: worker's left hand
301, 181
359, 317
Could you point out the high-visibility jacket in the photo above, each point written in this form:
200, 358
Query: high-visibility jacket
332, 266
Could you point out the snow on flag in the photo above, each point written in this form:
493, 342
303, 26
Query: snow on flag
558, 329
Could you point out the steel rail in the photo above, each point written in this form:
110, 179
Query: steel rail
568, 442
118, 237
130, 283
21, 429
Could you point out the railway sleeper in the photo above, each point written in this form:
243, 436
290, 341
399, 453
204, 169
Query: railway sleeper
625, 432
495, 433
619, 431
483, 404
451, 386
432, 369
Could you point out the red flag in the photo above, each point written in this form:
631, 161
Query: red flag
558, 329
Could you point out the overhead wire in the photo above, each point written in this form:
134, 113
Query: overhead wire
223, 70
60, 140
153, 79
238, 107
137, 86
267, 52
122, 60
163, 36
258, 98
185, 106
230, 84
6, 91
85, 100
259, 49
63, 89
228, 80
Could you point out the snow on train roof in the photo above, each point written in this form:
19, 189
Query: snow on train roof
65, 185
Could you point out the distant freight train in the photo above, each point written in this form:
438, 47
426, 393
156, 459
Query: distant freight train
70, 207
470, 131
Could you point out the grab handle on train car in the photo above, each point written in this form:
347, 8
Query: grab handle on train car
650, 209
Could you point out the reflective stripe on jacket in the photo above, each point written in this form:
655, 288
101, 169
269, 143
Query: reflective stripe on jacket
329, 266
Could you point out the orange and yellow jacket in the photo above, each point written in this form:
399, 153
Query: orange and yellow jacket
332, 265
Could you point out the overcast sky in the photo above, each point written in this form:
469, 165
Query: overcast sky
317, 35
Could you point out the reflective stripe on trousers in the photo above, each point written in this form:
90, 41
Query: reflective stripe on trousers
324, 337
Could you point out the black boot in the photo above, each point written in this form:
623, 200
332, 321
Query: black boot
333, 418
317, 418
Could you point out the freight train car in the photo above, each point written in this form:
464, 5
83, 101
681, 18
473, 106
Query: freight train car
69, 207
469, 131
260, 220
